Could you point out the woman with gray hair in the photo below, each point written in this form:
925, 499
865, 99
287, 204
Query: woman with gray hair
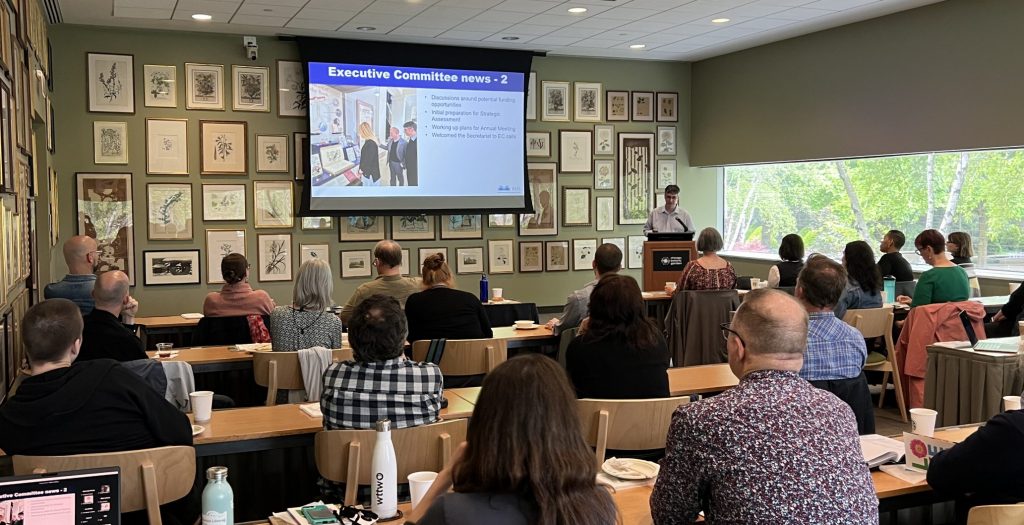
307, 322
709, 271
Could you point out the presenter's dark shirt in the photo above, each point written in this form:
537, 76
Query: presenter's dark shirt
369, 163
895, 265
412, 161
105, 337
444, 313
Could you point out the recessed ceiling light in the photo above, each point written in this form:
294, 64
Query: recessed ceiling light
510, 38
201, 17
577, 10
366, 28
720, 20
638, 46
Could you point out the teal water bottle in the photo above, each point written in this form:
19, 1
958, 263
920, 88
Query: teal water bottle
889, 285
218, 499
484, 285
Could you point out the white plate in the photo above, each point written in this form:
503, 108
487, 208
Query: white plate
532, 327
198, 429
630, 468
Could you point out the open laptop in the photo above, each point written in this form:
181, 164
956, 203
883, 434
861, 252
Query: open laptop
80, 497
1007, 345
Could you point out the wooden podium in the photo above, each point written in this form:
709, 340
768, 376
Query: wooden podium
664, 261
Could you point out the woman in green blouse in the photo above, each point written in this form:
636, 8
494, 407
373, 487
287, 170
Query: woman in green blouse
945, 282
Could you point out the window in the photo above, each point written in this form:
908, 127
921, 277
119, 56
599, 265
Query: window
835, 202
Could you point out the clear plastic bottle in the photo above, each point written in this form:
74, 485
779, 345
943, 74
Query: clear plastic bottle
218, 498
384, 467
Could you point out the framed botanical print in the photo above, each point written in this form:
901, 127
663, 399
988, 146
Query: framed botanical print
576, 207
501, 220
604, 139
222, 147
462, 227
666, 140
555, 103
272, 153
557, 256
636, 176
427, 252
531, 97
668, 107
249, 91
220, 244
166, 146
171, 267
105, 214
666, 173
274, 255
355, 263
111, 82
538, 143
531, 256
616, 106
643, 106
587, 101
161, 89
273, 204
605, 214
469, 260
223, 202
170, 211
543, 177
317, 223
619, 242
500, 258
110, 142
583, 253
406, 259
314, 251
302, 157
204, 86
412, 227
292, 94
362, 228
604, 174
575, 153
635, 257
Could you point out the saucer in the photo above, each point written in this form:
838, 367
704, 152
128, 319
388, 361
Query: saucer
531, 327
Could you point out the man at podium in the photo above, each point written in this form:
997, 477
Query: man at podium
669, 218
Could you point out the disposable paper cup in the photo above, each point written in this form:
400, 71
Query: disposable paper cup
755, 283
1011, 402
923, 420
524, 324
670, 286
497, 293
202, 405
419, 483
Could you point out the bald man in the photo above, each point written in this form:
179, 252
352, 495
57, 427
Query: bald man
775, 449
387, 259
82, 255
104, 335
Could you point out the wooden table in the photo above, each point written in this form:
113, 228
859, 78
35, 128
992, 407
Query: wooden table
703, 379
525, 338
992, 303
210, 358
166, 328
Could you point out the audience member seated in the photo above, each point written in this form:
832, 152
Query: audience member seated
1004, 322
387, 259
236, 298
772, 468
983, 469
863, 280
709, 271
442, 312
307, 322
67, 407
892, 263
82, 256
945, 281
104, 334
607, 261
836, 351
783, 273
959, 247
621, 354
514, 468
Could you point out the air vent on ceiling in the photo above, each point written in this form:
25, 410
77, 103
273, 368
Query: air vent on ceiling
53, 12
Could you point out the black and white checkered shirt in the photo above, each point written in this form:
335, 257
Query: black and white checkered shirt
357, 394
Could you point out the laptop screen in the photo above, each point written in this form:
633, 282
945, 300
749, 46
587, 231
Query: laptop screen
65, 498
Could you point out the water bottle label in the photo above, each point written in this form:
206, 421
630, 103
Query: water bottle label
212, 517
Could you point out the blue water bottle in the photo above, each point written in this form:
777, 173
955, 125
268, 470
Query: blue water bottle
889, 285
218, 499
484, 285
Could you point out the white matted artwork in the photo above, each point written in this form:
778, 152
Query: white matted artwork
412, 227
557, 256
616, 106
604, 174
587, 101
555, 101
223, 202
427, 252
171, 267
604, 139
362, 228
642, 106
531, 256
605, 214
583, 253
170, 211
161, 90
404, 268
666, 140
538, 144
469, 260
220, 244
462, 227
666, 172
272, 153
314, 251
501, 220
166, 146
105, 214
635, 257
110, 142
575, 151
111, 82
576, 206
543, 177
531, 97
636, 176
668, 107
292, 92
273, 204
355, 263
317, 223
222, 147
250, 88
274, 257
619, 242
204, 86
500, 258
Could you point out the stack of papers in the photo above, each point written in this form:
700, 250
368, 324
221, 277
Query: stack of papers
879, 450
254, 347
311, 409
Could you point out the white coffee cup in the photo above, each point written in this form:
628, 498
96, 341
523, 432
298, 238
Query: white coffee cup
524, 324
202, 405
755, 283
670, 286
923, 421
1011, 402
497, 294
419, 484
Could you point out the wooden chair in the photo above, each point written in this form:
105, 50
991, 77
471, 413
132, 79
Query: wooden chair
344, 455
466, 357
149, 477
281, 371
996, 515
877, 322
627, 424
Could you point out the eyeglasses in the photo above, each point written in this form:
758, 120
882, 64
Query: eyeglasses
726, 331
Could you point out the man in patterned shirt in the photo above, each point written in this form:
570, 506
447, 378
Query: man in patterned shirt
772, 450
380, 383
836, 352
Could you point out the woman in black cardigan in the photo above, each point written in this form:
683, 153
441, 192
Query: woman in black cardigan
442, 312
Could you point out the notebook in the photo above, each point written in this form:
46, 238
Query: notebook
879, 450
82, 497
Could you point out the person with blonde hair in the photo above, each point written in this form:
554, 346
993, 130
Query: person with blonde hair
369, 158
441, 311
307, 322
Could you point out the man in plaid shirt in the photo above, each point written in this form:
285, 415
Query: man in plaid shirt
380, 383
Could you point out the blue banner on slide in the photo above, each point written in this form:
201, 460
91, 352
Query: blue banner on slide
413, 77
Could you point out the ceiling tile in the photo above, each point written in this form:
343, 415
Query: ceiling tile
801, 13
502, 16
646, 26
163, 13
476, 25
283, 3
319, 24
738, 31
497, 37
395, 7
599, 43
839, 5
379, 29
429, 22
416, 31
208, 6
546, 19
524, 6
266, 21
660, 38
219, 18
326, 14
347, 5
374, 19
466, 35
457, 13
249, 8
529, 29
753, 10
577, 32
597, 22
787, 3
658, 5
628, 13
479, 4
149, 4
553, 41
765, 23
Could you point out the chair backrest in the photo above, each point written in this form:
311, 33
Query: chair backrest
873, 322
627, 424
345, 455
466, 357
282, 371
214, 331
692, 325
149, 477
996, 515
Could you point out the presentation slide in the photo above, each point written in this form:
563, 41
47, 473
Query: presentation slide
391, 138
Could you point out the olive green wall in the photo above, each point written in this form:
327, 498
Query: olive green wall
701, 193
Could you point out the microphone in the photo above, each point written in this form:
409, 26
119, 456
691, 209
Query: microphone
683, 224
